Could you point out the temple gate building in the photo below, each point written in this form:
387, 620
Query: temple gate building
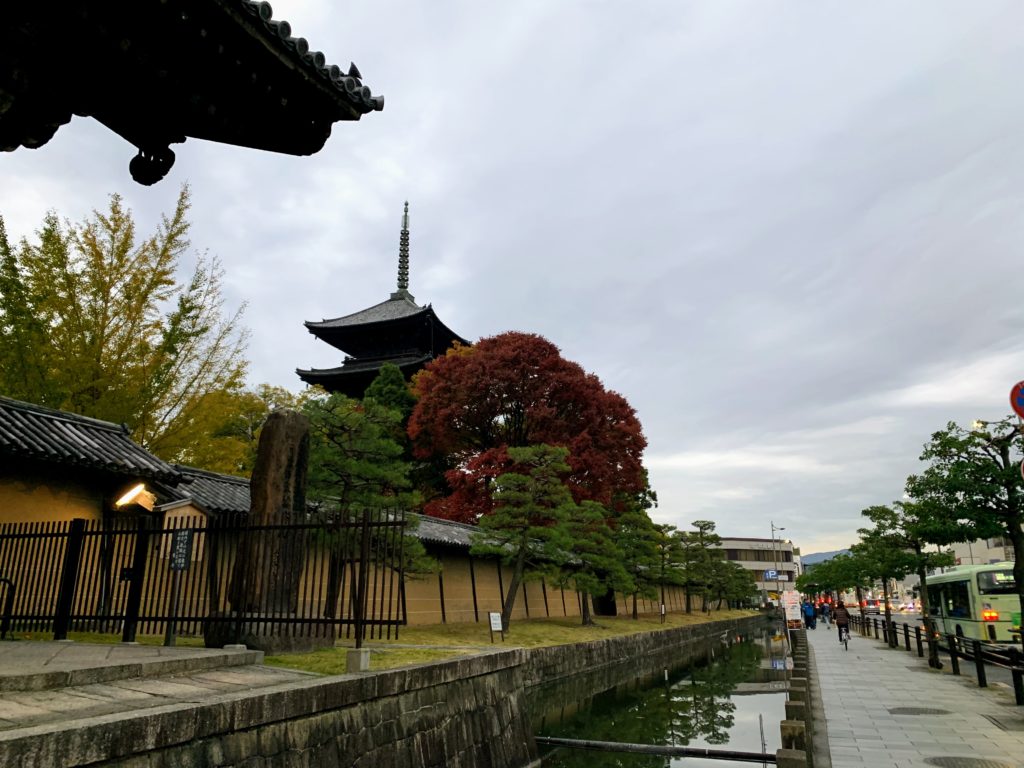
397, 331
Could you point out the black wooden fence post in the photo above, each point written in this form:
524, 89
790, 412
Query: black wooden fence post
138, 571
979, 664
954, 658
1018, 675
364, 575
68, 579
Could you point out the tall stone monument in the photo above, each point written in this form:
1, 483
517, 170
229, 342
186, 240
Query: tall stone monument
269, 564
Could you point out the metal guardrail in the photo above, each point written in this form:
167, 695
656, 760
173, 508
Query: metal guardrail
666, 750
957, 647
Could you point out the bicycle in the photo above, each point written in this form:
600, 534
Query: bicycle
844, 636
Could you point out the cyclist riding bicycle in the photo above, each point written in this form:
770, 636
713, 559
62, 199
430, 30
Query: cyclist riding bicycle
841, 618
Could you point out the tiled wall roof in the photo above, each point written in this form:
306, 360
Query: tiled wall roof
42, 434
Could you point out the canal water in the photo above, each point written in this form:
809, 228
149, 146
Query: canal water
711, 700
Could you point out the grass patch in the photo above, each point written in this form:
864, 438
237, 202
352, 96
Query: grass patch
434, 642
331, 661
538, 633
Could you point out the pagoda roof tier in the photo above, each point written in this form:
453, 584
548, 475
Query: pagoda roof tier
391, 328
354, 376
158, 71
399, 305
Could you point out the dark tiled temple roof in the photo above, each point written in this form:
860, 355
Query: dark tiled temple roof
219, 70
279, 33
220, 494
361, 364
215, 493
42, 434
394, 308
446, 532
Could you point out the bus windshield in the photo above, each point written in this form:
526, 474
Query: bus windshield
997, 583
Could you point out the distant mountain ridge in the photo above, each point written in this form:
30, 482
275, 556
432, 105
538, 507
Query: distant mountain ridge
820, 557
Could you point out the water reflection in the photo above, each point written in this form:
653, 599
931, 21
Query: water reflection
713, 701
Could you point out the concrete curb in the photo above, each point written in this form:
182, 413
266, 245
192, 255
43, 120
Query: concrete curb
819, 733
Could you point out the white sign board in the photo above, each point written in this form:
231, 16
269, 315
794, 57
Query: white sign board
495, 621
791, 602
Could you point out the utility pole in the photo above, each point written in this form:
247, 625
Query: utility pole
775, 554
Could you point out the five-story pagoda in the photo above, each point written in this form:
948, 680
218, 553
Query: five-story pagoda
397, 331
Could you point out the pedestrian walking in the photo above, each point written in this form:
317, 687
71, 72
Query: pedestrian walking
809, 618
825, 611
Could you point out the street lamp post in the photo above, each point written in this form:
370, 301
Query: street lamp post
775, 554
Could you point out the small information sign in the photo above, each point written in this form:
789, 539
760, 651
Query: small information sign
181, 549
495, 618
791, 603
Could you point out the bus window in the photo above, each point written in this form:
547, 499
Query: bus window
997, 583
935, 602
958, 599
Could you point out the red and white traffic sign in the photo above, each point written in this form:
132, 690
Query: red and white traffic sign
1017, 398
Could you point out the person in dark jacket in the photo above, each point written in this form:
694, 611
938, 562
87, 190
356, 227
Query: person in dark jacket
841, 618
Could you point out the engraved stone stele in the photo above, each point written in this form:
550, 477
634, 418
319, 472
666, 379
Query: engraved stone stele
264, 591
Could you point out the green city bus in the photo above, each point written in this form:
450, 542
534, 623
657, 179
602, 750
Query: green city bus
976, 601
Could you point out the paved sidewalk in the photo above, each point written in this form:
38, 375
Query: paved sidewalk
46, 686
887, 708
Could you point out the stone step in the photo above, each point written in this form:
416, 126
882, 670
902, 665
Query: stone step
22, 711
37, 666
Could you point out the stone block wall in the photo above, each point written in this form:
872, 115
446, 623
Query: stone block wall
464, 713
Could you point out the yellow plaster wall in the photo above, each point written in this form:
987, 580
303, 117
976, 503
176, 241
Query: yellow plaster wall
27, 498
458, 589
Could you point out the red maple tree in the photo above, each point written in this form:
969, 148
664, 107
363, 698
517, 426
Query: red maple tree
516, 390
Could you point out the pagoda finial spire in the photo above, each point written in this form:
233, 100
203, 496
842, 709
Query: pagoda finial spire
403, 252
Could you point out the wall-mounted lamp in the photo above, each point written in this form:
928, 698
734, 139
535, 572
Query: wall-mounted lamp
137, 496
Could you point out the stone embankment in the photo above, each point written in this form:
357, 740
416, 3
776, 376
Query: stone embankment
469, 712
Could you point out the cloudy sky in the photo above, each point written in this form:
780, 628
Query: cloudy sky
788, 232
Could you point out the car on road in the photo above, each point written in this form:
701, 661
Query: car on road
871, 606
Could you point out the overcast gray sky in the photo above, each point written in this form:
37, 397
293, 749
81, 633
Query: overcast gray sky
788, 232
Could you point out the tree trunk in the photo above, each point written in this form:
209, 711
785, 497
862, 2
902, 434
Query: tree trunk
1016, 536
860, 601
588, 620
686, 591
1014, 522
926, 614
890, 634
634, 607
513, 589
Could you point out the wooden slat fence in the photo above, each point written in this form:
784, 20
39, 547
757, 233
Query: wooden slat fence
128, 575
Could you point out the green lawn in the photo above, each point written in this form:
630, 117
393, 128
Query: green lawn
424, 643
419, 644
